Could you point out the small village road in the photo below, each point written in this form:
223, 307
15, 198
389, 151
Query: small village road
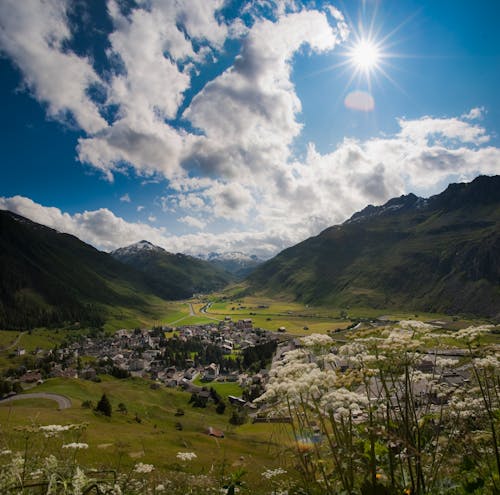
62, 401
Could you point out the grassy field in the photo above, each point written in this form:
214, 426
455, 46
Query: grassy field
300, 319
223, 389
155, 439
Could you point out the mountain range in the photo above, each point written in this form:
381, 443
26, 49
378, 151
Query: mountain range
440, 254
173, 276
235, 262
50, 278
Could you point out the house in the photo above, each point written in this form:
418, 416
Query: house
237, 401
211, 372
189, 374
136, 365
88, 374
213, 432
31, 377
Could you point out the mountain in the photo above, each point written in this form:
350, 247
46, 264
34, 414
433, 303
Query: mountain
50, 278
237, 263
440, 254
173, 276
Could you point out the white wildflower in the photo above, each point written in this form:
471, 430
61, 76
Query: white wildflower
444, 363
79, 481
76, 446
272, 473
488, 362
5, 452
186, 456
471, 334
343, 402
143, 468
416, 325
54, 430
316, 339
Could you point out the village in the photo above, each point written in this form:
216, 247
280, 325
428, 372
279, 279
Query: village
227, 352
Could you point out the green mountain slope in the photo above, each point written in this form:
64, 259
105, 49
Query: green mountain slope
49, 278
441, 254
173, 276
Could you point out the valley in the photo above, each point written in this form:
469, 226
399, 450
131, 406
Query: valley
260, 374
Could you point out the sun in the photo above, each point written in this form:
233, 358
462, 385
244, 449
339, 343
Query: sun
365, 55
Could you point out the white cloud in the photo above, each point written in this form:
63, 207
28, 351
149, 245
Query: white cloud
101, 228
238, 168
106, 231
421, 130
192, 222
125, 198
476, 113
140, 208
33, 34
249, 114
152, 218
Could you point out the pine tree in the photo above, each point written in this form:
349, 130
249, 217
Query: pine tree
104, 406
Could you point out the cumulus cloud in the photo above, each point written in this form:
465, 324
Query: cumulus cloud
106, 231
225, 149
157, 47
192, 222
476, 113
33, 34
101, 228
125, 198
248, 115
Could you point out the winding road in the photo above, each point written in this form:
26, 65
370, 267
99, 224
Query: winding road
62, 401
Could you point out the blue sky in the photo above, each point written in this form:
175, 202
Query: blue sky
239, 126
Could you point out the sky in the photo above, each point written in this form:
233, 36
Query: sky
224, 125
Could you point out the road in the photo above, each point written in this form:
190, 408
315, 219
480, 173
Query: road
62, 401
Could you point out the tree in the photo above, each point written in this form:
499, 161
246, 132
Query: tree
104, 406
221, 407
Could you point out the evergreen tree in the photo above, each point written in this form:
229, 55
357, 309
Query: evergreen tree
104, 406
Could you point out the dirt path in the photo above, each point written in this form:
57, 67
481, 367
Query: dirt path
62, 401
13, 344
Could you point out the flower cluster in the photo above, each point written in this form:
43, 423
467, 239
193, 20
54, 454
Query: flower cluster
141, 468
75, 446
186, 456
272, 473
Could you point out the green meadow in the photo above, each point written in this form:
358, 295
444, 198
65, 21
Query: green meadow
151, 431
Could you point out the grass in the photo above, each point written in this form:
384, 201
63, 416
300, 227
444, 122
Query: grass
272, 314
224, 389
155, 439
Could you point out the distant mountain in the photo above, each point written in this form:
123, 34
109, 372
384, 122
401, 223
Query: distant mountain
237, 263
50, 278
173, 276
439, 254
